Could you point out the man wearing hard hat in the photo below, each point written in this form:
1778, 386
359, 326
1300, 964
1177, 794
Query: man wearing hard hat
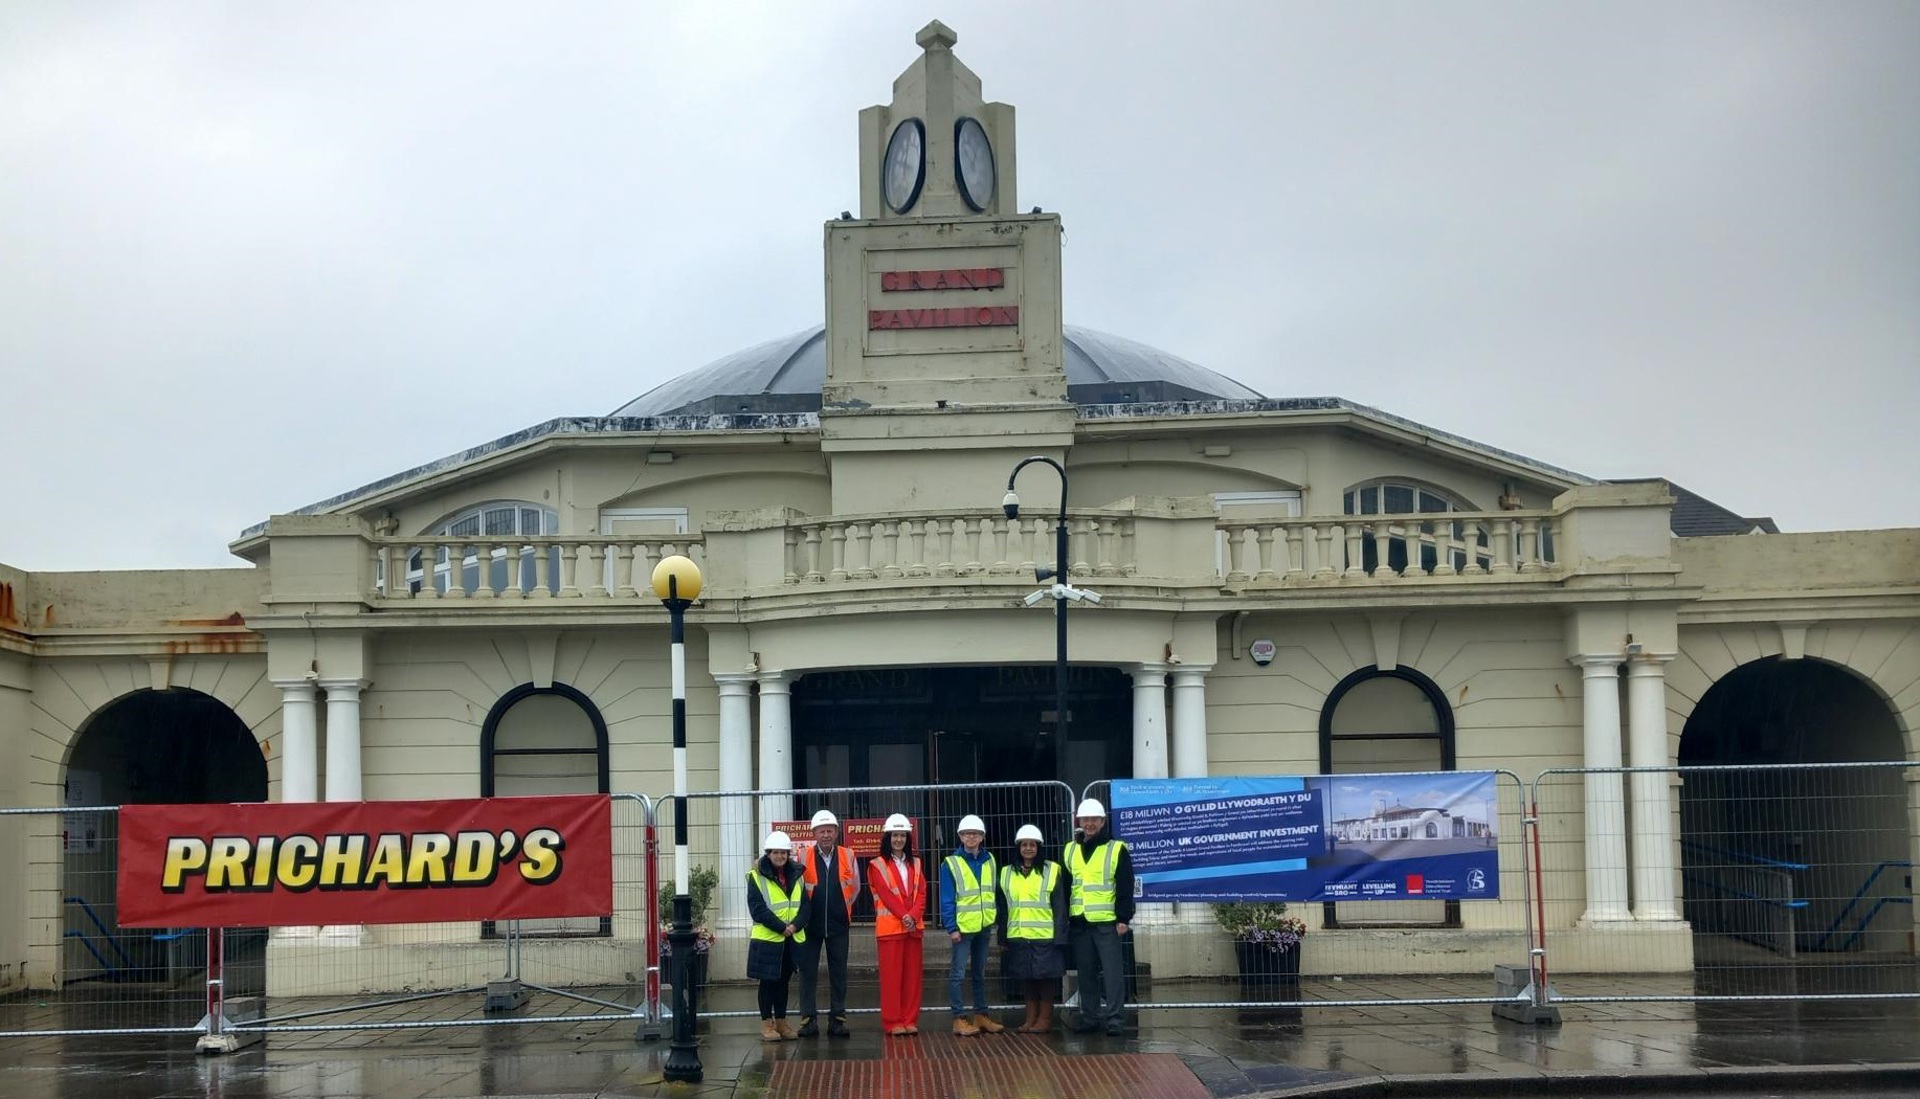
832, 884
969, 886
1099, 908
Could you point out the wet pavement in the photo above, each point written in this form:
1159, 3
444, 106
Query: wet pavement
1193, 1053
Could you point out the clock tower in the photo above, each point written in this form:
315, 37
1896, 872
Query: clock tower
944, 348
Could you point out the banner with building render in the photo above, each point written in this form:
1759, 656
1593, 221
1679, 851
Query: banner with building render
299, 864
1316, 838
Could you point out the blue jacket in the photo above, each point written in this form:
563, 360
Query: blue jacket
948, 886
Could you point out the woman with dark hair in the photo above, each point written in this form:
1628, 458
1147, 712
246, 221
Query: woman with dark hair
1033, 927
776, 892
899, 899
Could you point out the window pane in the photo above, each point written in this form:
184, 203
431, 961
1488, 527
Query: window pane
500, 521
530, 522
1430, 502
1399, 499
465, 527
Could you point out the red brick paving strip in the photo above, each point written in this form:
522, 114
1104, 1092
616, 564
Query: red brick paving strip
937, 1067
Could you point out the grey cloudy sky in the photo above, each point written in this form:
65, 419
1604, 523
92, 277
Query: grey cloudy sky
255, 254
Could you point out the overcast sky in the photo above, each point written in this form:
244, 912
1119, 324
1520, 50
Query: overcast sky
256, 254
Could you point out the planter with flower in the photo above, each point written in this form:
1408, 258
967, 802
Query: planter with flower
1266, 941
701, 883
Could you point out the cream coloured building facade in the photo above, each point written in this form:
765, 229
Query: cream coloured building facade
479, 625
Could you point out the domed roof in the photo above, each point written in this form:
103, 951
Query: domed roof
785, 375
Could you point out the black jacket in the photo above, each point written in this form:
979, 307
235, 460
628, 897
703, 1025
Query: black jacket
1122, 875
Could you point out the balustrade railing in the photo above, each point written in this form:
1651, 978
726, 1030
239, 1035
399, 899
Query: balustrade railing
1324, 549
862, 548
426, 569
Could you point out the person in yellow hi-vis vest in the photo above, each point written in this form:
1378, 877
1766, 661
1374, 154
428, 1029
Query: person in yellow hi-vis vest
1033, 927
776, 899
1099, 908
969, 881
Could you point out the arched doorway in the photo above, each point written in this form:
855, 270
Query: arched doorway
1790, 861
172, 747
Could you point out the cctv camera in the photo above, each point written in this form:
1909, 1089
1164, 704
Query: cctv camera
1034, 598
1090, 596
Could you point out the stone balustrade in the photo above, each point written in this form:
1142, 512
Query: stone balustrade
958, 544
1325, 549
523, 568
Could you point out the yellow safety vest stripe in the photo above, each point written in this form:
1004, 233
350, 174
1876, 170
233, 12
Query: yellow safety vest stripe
1029, 901
972, 897
785, 906
1093, 885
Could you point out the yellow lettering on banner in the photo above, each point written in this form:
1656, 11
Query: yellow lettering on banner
299, 856
475, 858
340, 862
428, 860
185, 855
263, 849
389, 862
540, 856
227, 863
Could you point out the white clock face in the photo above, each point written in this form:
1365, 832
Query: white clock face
973, 163
905, 166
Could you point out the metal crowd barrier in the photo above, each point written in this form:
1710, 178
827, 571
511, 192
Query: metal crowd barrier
1790, 883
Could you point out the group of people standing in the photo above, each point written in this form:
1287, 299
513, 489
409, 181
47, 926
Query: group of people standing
1040, 910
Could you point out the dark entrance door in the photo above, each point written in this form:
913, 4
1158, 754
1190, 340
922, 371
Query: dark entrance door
958, 726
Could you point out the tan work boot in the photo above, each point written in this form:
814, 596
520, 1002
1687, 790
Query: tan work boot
787, 1033
964, 1027
769, 1032
986, 1025
1043, 1022
1026, 1024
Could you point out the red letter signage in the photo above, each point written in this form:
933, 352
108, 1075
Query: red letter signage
972, 278
980, 316
280, 864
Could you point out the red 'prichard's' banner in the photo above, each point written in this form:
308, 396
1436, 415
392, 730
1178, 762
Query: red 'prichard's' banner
278, 864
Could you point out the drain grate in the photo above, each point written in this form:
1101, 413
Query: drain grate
934, 1067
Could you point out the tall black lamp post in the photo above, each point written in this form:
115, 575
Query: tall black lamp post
1061, 591
676, 581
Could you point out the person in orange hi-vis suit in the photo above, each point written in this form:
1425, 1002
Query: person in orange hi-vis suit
899, 900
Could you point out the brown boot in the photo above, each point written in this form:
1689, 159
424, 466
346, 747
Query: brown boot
964, 1027
787, 1033
1033, 1011
769, 1032
1043, 1023
986, 1024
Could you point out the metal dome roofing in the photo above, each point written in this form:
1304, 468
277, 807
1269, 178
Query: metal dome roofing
785, 375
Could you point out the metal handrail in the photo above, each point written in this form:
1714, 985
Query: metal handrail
1757, 860
1858, 894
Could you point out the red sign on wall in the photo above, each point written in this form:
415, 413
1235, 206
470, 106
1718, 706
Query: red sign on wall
861, 834
370, 862
972, 316
970, 278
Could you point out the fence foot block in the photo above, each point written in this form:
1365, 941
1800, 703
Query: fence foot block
240, 1009
506, 995
1530, 1014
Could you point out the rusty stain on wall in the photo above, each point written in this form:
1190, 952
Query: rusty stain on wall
7, 610
234, 619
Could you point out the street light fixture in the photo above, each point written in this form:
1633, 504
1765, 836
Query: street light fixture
676, 582
1061, 592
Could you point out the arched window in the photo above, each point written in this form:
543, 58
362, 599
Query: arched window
497, 519
1401, 497
545, 741
1378, 721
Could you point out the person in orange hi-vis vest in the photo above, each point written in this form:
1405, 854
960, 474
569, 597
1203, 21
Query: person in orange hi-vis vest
899, 899
826, 865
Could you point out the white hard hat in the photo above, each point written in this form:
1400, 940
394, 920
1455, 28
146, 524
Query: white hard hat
825, 816
777, 841
898, 823
1090, 808
971, 823
1029, 832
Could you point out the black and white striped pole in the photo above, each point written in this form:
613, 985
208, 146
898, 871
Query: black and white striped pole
676, 581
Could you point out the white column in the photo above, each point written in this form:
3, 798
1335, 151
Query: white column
1190, 722
1605, 809
299, 741
1652, 791
737, 841
343, 738
1150, 756
1149, 720
343, 767
776, 747
1190, 755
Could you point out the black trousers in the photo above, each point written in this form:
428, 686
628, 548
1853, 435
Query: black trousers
773, 998
809, 961
1103, 973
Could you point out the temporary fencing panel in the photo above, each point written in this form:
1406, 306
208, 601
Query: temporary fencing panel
725, 831
1756, 882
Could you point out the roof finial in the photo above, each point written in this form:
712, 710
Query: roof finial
936, 36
